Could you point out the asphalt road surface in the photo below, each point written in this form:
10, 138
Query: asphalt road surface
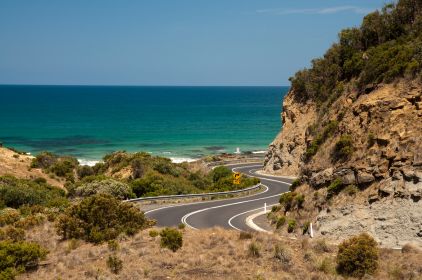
226, 213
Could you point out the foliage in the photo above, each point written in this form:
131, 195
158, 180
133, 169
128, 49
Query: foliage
291, 200
296, 183
44, 160
387, 45
305, 227
327, 132
99, 218
17, 192
343, 149
280, 221
84, 171
253, 250
12, 233
334, 188
291, 226
109, 186
64, 166
171, 238
114, 264
9, 216
113, 245
220, 172
153, 233
300, 199
358, 256
181, 226
17, 257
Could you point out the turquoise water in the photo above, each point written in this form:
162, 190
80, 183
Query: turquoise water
177, 122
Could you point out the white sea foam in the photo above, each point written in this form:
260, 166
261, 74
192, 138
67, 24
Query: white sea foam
181, 159
87, 162
259, 152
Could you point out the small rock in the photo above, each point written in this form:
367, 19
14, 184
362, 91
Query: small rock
364, 177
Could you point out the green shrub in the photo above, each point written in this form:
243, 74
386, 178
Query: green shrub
113, 245
31, 221
343, 149
9, 216
64, 167
17, 257
305, 227
171, 239
291, 226
153, 233
254, 249
327, 131
296, 183
17, 192
181, 226
84, 171
109, 186
114, 264
220, 172
286, 199
280, 222
300, 199
275, 208
334, 188
100, 218
44, 160
12, 233
358, 256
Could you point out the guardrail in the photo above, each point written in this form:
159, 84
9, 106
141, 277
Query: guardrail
192, 195
219, 163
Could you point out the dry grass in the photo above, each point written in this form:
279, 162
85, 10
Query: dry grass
17, 165
207, 254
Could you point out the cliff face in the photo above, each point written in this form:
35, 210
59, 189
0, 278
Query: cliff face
285, 151
373, 145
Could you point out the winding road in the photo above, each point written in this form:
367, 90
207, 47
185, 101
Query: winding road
226, 213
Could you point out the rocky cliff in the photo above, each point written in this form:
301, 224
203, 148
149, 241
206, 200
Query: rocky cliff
373, 150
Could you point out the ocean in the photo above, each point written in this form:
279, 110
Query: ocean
181, 123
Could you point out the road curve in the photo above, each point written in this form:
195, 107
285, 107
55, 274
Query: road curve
227, 213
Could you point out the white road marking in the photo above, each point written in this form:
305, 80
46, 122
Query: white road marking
240, 214
185, 217
201, 202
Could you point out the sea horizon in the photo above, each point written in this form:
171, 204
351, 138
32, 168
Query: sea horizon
179, 122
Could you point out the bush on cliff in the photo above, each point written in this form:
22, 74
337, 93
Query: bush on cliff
387, 45
343, 149
358, 256
99, 218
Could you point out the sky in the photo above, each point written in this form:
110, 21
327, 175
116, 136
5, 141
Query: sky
168, 42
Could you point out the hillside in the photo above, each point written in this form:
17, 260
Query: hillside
19, 165
352, 132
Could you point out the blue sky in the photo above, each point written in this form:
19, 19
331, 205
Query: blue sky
172, 42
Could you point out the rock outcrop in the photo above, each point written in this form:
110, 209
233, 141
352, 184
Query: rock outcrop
384, 126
